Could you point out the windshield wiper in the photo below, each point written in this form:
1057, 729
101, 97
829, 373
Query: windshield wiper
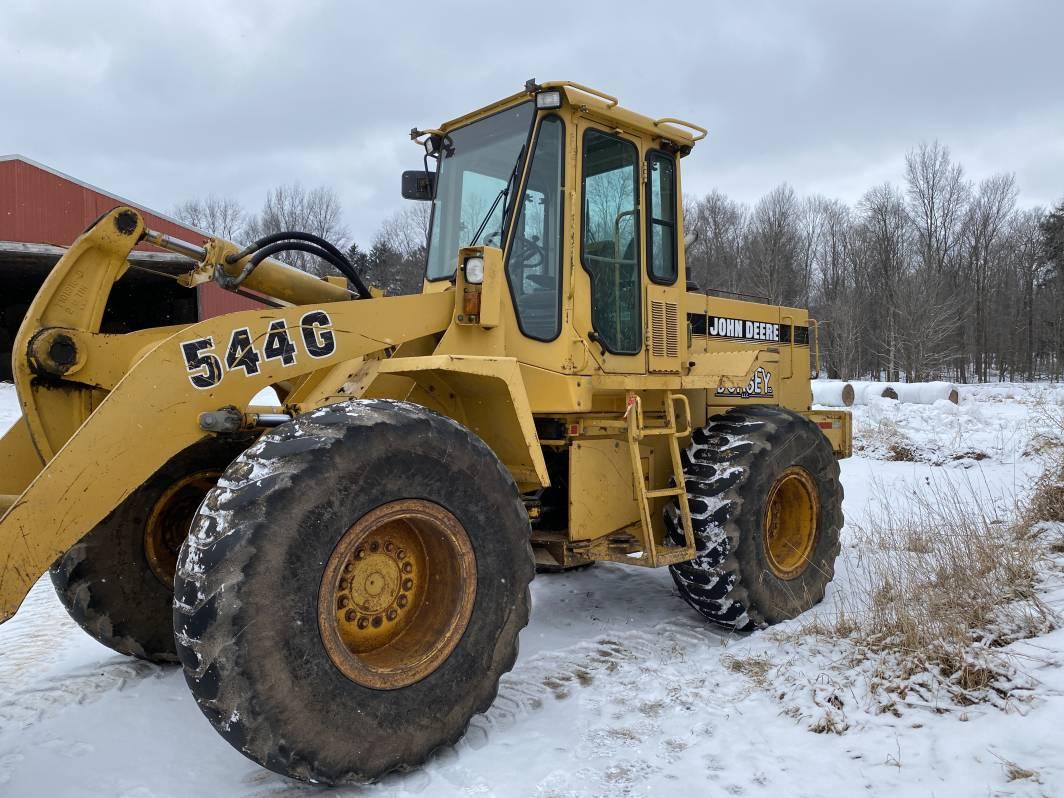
502, 195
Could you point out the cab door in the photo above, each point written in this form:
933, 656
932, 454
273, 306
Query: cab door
610, 247
664, 290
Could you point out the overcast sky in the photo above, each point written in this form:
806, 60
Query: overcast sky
161, 102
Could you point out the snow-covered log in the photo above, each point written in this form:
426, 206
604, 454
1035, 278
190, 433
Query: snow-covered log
865, 392
925, 393
832, 393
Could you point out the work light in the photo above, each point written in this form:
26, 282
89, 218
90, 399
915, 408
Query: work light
549, 99
474, 270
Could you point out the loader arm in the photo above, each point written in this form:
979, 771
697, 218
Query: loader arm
120, 437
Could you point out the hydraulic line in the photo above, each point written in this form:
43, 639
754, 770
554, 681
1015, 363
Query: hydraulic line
337, 259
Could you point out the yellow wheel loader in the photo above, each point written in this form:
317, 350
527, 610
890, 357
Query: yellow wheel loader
343, 571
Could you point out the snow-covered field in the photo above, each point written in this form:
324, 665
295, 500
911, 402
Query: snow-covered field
619, 690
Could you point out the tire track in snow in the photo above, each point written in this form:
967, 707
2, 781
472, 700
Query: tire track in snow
601, 665
75, 688
34, 638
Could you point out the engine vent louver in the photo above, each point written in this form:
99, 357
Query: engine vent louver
664, 329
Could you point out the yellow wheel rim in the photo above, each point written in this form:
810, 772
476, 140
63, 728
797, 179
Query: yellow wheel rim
170, 519
791, 521
397, 594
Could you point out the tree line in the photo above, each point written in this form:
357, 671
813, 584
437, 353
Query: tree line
939, 277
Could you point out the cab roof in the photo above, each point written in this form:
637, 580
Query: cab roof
599, 106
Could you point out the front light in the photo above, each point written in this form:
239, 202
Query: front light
549, 99
474, 270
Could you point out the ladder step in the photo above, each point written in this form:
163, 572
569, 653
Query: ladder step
658, 431
656, 494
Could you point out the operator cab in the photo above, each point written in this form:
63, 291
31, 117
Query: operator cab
502, 178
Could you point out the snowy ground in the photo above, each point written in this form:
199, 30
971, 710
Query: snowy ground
619, 690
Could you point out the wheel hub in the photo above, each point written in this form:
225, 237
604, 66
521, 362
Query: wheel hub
397, 594
791, 522
170, 519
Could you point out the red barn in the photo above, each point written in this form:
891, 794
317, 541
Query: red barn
42, 211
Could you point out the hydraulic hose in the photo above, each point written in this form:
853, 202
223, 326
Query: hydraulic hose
291, 241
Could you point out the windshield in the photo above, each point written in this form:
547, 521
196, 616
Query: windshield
476, 163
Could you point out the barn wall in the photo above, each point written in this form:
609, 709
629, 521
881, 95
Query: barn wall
40, 206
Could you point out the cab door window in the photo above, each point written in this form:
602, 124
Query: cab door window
661, 218
534, 262
610, 239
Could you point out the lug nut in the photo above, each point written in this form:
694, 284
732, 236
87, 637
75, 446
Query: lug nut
360, 553
401, 601
407, 567
401, 554
374, 547
350, 615
345, 584
388, 546
377, 621
408, 584
342, 602
349, 567
363, 622
391, 614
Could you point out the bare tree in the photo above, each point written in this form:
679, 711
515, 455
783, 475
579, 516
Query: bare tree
291, 207
984, 228
715, 260
222, 217
937, 197
773, 246
396, 261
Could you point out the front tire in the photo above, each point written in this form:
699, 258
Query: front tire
766, 505
329, 534
117, 581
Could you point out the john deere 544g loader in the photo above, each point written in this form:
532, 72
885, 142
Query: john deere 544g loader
343, 576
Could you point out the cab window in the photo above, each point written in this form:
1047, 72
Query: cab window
661, 218
610, 239
534, 262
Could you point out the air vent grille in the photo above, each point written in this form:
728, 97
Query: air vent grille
664, 329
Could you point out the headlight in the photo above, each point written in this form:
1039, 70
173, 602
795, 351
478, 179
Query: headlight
474, 270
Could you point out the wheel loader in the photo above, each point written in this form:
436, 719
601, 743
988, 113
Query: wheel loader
342, 568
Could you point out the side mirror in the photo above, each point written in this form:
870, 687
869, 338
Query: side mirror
419, 185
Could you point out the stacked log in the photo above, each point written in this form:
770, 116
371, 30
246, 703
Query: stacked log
925, 393
836, 393
867, 392
832, 393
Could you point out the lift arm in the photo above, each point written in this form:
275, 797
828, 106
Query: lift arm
118, 438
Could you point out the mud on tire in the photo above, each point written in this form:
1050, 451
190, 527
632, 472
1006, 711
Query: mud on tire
247, 591
106, 582
731, 467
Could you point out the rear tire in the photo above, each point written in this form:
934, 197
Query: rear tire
109, 583
262, 591
748, 573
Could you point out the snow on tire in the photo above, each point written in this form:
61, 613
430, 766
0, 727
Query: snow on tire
734, 468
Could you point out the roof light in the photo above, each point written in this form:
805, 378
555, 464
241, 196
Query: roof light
549, 99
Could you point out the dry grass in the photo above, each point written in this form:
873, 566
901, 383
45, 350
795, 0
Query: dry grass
754, 667
1046, 503
943, 583
1014, 772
